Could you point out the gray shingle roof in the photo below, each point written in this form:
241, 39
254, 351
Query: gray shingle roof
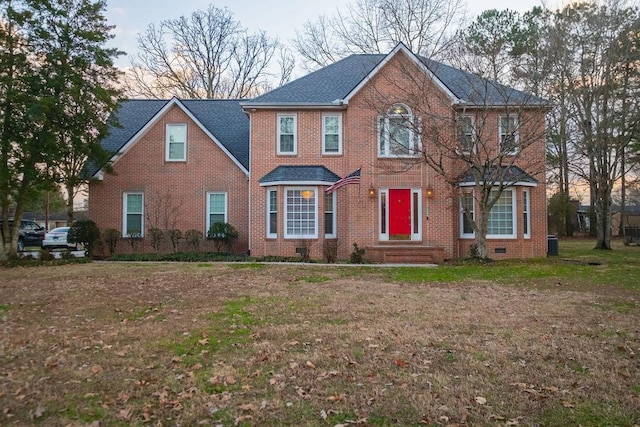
336, 81
300, 174
224, 119
508, 175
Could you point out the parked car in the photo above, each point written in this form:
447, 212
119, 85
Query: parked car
31, 234
57, 238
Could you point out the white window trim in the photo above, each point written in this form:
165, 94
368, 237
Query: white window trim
295, 135
464, 235
269, 211
474, 148
335, 222
208, 209
302, 236
384, 192
324, 151
514, 210
414, 137
516, 139
526, 206
167, 142
125, 211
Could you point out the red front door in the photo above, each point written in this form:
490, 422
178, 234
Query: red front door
399, 214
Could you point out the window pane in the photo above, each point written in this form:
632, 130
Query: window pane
501, 215
301, 213
331, 125
273, 211
383, 213
465, 133
176, 150
467, 204
525, 212
399, 136
382, 137
215, 218
286, 125
216, 203
134, 224
329, 214
416, 214
331, 143
286, 143
134, 203
177, 133
508, 132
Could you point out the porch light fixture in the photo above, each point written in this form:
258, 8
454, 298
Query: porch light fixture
429, 192
372, 191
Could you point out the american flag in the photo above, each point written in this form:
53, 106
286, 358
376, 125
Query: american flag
352, 178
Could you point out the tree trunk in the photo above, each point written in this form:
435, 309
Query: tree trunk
69, 206
481, 233
603, 217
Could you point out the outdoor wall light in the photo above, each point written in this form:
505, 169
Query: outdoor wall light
429, 192
372, 191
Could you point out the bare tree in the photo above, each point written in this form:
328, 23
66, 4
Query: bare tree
601, 51
480, 146
205, 55
376, 26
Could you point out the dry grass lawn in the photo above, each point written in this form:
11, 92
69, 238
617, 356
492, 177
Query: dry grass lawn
243, 344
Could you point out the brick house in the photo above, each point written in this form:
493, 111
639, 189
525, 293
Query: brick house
377, 117
179, 164
343, 118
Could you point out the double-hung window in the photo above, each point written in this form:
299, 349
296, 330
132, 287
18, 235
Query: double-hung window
133, 218
330, 215
398, 136
176, 143
331, 134
216, 209
502, 218
508, 130
465, 134
467, 215
287, 134
272, 213
300, 212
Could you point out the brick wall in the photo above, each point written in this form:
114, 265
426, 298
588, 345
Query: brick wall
143, 168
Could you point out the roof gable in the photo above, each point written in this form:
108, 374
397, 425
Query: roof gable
223, 121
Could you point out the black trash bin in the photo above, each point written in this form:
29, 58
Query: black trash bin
552, 245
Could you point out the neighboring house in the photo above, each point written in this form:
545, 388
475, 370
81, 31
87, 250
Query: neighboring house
306, 135
177, 165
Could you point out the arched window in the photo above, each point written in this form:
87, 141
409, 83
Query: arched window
398, 132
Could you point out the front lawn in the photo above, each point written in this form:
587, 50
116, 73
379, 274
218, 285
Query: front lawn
550, 342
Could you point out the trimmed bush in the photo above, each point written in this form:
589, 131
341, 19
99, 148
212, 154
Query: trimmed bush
111, 237
85, 232
222, 233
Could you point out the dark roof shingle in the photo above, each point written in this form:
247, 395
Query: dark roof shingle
336, 81
300, 174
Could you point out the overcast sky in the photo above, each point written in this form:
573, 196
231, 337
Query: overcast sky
278, 18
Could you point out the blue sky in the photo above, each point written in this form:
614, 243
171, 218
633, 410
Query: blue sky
277, 17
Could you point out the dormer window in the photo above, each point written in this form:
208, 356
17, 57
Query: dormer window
397, 134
